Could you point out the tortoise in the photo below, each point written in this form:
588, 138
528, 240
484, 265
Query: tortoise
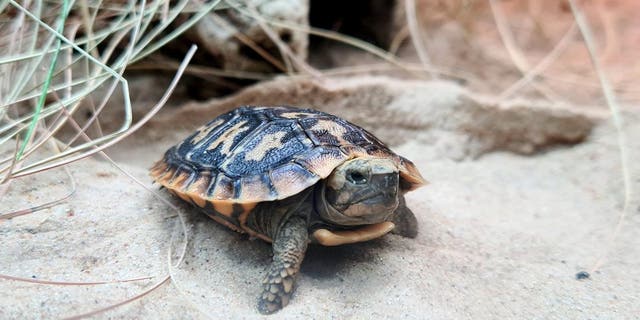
291, 177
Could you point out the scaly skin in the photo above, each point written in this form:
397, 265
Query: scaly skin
405, 221
289, 247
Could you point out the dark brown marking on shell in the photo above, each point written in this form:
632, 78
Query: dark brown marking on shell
200, 185
206, 130
229, 221
369, 139
165, 176
222, 188
294, 115
230, 210
237, 188
322, 132
159, 168
168, 177
180, 178
198, 200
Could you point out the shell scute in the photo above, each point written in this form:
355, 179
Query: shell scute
210, 145
322, 160
275, 144
222, 188
324, 131
257, 186
288, 178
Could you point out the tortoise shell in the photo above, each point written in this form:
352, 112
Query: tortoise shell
257, 154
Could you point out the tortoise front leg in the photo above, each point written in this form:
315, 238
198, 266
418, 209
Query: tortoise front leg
405, 221
289, 246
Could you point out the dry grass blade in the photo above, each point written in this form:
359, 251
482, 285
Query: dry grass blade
202, 71
4, 182
34, 168
183, 249
132, 24
161, 198
70, 283
357, 43
514, 52
399, 38
507, 37
250, 43
541, 66
182, 223
146, 47
50, 110
17, 213
176, 284
121, 303
285, 51
416, 35
4, 185
618, 123
63, 38
457, 75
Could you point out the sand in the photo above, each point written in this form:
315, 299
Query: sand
521, 198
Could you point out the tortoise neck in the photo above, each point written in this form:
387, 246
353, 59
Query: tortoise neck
321, 208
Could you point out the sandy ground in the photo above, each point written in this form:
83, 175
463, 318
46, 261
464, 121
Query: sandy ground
520, 199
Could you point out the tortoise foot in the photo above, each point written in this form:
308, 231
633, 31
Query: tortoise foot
276, 293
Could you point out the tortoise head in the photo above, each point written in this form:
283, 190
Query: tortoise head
361, 191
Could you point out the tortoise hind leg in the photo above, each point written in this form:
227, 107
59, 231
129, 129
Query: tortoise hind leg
289, 247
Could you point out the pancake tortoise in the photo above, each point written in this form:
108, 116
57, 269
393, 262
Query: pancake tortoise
291, 177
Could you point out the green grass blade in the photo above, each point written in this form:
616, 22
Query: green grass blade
32, 126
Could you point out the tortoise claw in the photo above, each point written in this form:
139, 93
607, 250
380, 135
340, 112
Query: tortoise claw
267, 306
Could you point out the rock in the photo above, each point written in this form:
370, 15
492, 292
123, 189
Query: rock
219, 33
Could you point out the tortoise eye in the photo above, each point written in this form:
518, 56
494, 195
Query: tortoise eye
356, 177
